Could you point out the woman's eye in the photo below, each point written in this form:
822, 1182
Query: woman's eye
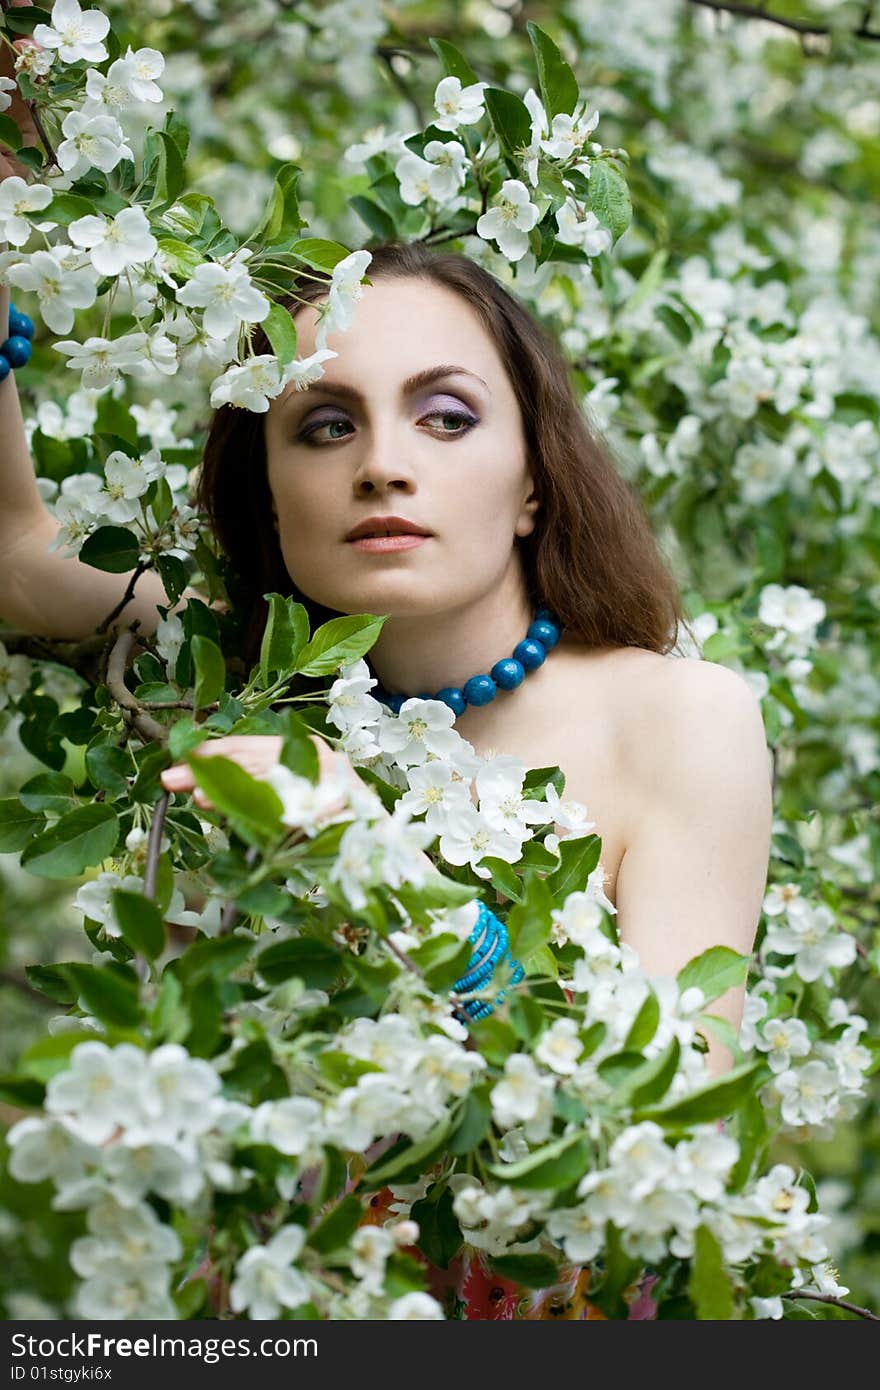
460, 420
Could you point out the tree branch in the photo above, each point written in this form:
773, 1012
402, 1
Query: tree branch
150, 730
839, 1302
141, 567
804, 27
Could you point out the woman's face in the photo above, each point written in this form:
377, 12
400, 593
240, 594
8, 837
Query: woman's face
448, 455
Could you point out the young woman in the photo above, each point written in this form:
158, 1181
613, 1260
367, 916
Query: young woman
447, 410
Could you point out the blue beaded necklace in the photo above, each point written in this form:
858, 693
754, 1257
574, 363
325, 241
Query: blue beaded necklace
543, 634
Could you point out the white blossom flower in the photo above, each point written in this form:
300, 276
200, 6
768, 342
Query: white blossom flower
421, 727
250, 386
127, 1291
457, 105
7, 85
560, 1047
128, 79
302, 371
568, 134
292, 1125
103, 360
75, 33
808, 1094
502, 802
350, 704
468, 838
434, 790
15, 675
792, 609
523, 1096
91, 142
117, 242
17, 200
585, 231
415, 1307
265, 1280
226, 295
508, 221
60, 290
99, 1090
782, 1039
345, 291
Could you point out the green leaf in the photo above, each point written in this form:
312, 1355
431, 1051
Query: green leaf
709, 1283
712, 1102
579, 858
284, 636
140, 922
210, 669
439, 1232
529, 921
554, 1165
109, 767
504, 877
25, 19
109, 992
510, 120
559, 88
644, 1025
45, 1058
51, 981
68, 207
182, 259
714, 971
170, 172
280, 329
172, 572
112, 549
319, 253
380, 222
609, 197
23, 1092
475, 1120
413, 1157
649, 1082
298, 751
214, 958
74, 843
282, 213
532, 1271
17, 825
337, 1227
338, 643
442, 959
453, 63
311, 961
184, 736
433, 895
253, 806
10, 134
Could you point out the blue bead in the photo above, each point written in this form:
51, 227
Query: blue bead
395, 703
17, 351
452, 696
20, 326
508, 674
5, 369
530, 653
545, 632
479, 690
543, 613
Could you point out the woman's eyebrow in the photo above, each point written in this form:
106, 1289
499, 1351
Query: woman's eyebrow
411, 384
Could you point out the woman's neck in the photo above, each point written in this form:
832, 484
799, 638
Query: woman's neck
425, 653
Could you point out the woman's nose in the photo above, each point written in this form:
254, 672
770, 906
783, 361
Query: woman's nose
382, 465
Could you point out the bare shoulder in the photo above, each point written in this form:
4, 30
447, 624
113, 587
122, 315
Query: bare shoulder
687, 710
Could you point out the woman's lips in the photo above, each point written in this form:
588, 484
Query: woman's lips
386, 543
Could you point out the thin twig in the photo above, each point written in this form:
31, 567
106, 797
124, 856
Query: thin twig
804, 27
154, 842
150, 729
838, 1302
141, 568
7, 977
230, 909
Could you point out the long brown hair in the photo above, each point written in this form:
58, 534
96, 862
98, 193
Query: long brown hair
592, 557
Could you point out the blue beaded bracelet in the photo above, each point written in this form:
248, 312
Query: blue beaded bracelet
490, 938
16, 350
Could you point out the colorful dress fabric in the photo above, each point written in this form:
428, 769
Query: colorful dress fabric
468, 1289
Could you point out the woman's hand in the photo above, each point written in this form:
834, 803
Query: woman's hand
257, 753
